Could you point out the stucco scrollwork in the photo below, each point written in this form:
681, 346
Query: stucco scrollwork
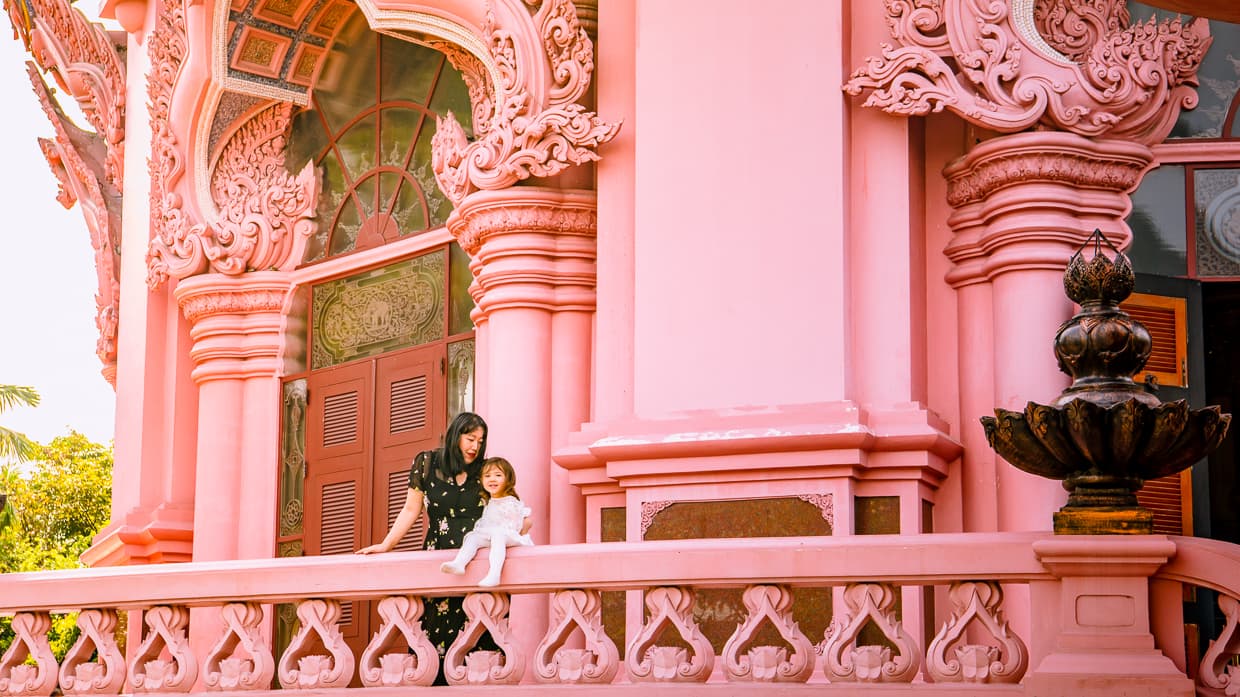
86, 63
845, 660
1071, 65
952, 658
105, 675
80, 176
537, 128
28, 667
265, 214
415, 665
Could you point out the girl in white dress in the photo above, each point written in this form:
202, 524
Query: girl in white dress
505, 522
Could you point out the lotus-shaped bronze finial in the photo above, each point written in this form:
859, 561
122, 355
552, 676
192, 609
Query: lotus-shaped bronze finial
1105, 435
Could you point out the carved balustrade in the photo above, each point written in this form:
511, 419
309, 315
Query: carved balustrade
866, 647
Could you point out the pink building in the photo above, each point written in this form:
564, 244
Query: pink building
737, 353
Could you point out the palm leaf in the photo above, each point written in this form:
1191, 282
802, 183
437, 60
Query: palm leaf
17, 395
16, 445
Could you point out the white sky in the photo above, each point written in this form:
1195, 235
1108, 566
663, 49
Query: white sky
47, 278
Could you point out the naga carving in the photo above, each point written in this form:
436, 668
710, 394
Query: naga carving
596, 662
80, 173
105, 675
649, 661
952, 658
165, 661
251, 668
485, 612
414, 664
86, 63
536, 131
28, 668
1070, 65
265, 214
301, 668
1219, 670
845, 660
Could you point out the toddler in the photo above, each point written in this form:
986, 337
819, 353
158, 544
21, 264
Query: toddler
505, 522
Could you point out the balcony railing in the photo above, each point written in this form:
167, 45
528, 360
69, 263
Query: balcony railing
872, 643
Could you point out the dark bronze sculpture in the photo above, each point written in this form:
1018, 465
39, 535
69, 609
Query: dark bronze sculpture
1105, 435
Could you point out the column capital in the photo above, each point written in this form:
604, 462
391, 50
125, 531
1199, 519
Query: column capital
236, 323
1027, 200
531, 247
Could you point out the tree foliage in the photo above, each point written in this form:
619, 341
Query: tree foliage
52, 512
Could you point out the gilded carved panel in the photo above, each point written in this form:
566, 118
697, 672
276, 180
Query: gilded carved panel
381, 310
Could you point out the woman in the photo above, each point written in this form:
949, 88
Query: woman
446, 482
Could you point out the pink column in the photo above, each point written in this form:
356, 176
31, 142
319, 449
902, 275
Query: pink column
236, 328
533, 252
1022, 205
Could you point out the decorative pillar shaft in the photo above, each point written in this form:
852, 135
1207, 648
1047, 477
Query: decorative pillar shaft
1022, 205
534, 253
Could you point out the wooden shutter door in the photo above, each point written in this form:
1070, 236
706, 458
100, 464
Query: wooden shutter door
338, 446
409, 417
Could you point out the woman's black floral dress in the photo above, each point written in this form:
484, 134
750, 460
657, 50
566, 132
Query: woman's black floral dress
451, 509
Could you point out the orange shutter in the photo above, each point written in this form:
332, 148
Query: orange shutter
1171, 500
1166, 318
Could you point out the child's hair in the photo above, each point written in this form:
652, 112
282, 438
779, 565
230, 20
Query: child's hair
510, 477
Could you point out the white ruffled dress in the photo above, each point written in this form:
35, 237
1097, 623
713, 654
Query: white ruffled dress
502, 519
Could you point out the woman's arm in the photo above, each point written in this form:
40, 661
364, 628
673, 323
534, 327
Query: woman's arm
409, 514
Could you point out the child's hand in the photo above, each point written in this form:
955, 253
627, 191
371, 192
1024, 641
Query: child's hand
526, 524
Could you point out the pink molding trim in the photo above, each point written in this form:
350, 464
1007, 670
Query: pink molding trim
167, 536
650, 509
988, 63
236, 323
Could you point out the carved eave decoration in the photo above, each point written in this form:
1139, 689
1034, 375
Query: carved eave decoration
86, 62
77, 158
1015, 65
527, 64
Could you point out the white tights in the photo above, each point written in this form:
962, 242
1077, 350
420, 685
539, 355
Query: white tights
473, 542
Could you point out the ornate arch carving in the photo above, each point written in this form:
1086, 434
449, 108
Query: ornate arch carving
1070, 65
82, 180
86, 63
527, 63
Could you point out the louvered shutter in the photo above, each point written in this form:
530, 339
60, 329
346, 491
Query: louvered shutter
338, 447
1171, 500
409, 418
1166, 318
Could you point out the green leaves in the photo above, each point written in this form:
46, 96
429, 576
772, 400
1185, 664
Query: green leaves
14, 445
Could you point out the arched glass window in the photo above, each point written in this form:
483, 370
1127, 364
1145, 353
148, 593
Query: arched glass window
368, 129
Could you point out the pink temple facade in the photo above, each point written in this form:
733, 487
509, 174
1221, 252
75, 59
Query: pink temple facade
736, 352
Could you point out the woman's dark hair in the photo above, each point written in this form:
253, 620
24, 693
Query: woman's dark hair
451, 459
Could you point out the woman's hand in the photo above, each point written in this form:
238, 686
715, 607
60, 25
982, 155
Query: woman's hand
373, 549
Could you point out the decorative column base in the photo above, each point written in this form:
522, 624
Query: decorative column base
1103, 644
1125, 520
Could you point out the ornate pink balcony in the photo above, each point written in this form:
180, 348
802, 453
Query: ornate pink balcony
1104, 609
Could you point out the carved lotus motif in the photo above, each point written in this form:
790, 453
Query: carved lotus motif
156, 672
88, 672
975, 660
665, 661
310, 669
478, 665
233, 670
395, 667
572, 663
868, 662
764, 661
23, 674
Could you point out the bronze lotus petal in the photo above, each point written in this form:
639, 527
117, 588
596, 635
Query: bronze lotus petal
1203, 431
1165, 428
1046, 423
1082, 419
1010, 436
1126, 429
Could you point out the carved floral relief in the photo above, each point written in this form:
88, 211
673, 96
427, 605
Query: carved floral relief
1070, 65
531, 132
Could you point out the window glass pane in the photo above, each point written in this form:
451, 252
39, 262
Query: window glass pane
347, 83
398, 128
306, 140
451, 94
344, 234
409, 213
462, 303
380, 310
1217, 198
408, 70
357, 146
460, 377
1219, 76
1158, 223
